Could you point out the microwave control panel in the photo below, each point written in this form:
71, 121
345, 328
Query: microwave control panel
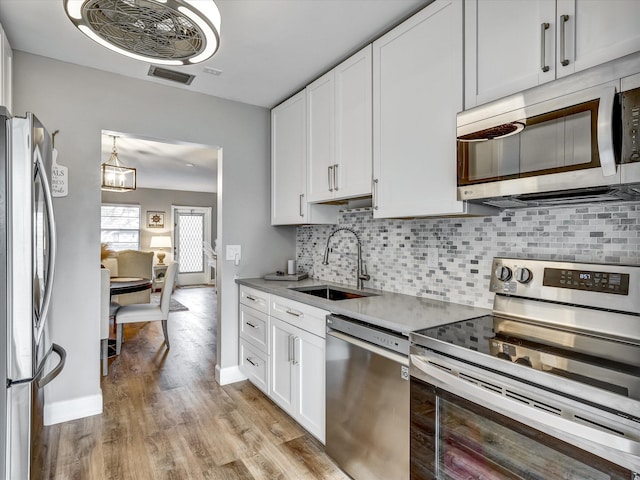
631, 126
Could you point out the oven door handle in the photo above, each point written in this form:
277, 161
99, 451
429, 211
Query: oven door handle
520, 412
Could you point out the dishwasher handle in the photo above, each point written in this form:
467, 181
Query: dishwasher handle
383, 352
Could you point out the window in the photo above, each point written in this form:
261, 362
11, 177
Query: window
120, 226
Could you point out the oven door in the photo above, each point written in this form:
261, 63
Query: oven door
560, 144
464, 425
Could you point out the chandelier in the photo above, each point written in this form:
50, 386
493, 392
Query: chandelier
115, 176
167, 32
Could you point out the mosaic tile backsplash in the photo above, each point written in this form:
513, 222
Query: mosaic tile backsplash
396, 252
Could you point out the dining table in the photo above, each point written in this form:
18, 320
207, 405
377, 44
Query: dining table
122, 285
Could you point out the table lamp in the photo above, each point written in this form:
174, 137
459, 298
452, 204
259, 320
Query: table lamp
160, 242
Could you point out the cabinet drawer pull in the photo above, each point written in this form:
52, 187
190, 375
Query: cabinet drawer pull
294, 313
255, 364
543, 46
335, 177
252, 325
253, 299
564, 61
330, 177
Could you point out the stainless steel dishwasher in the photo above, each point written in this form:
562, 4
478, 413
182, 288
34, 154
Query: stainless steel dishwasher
367, 375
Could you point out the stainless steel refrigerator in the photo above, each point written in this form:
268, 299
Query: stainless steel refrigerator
27, 260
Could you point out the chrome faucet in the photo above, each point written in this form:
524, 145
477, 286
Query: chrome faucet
361, 274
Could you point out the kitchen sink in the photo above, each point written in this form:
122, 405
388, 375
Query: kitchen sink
332, 293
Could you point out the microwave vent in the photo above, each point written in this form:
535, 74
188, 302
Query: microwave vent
505, 203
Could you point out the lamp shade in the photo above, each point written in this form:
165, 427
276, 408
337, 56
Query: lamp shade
160, 242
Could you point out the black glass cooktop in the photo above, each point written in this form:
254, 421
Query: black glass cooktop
592, 359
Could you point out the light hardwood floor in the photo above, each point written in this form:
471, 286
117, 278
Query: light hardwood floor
165, 417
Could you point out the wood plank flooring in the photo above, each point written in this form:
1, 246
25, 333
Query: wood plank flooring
165, 417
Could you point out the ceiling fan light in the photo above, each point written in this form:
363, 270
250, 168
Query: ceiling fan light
165, 32
74, 8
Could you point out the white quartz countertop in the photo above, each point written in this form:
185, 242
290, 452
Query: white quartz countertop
394, 311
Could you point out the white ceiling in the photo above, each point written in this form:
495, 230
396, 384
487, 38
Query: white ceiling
269, 49
168, 165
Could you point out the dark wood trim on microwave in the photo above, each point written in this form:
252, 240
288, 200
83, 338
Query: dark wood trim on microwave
592, 106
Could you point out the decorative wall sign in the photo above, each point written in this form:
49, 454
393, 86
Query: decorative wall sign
155, 219
59, 178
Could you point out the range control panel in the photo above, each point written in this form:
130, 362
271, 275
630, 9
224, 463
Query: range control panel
590, 280
599, 285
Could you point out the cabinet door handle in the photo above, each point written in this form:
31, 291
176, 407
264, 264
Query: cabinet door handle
255, 364
564, 61
543, 46
290, 348
301, 203
330, 177
252, 325
375, 194
335, 177
294, 313
296, 352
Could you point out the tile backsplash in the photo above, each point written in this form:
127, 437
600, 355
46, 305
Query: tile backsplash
400, 254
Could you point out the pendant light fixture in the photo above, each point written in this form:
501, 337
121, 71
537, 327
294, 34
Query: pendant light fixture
115, 176
166, 32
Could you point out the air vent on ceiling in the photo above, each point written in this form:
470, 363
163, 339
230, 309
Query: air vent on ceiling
172, 75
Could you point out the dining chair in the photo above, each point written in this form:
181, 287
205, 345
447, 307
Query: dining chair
135, 263
146, 312
108, 310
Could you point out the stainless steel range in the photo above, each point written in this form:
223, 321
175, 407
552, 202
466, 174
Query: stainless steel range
548, 386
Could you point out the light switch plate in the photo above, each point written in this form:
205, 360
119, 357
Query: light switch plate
234, 252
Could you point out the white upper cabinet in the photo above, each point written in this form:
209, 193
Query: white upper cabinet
339, 131
353, 124
289, 167
6, 72
417, 91
515, 45
320, 128
509, 47
591, 33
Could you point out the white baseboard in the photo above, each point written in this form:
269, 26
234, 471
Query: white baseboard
224, 376
64, 411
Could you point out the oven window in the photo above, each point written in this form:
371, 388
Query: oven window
454, 439
555, 142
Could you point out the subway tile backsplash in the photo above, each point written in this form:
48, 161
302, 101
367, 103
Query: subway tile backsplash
399, 254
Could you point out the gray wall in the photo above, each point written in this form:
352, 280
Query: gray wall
81, 102
161, 201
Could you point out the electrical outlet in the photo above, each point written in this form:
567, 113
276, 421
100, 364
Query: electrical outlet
234, 252
432, 257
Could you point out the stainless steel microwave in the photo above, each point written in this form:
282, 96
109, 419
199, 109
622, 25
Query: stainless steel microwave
576, 148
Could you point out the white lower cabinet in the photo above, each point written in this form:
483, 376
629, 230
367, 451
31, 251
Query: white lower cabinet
297, 375
254, 363
283, 354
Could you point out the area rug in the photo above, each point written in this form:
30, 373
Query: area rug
174, 306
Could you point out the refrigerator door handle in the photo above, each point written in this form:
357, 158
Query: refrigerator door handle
62, 353
38, 378
48, 200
